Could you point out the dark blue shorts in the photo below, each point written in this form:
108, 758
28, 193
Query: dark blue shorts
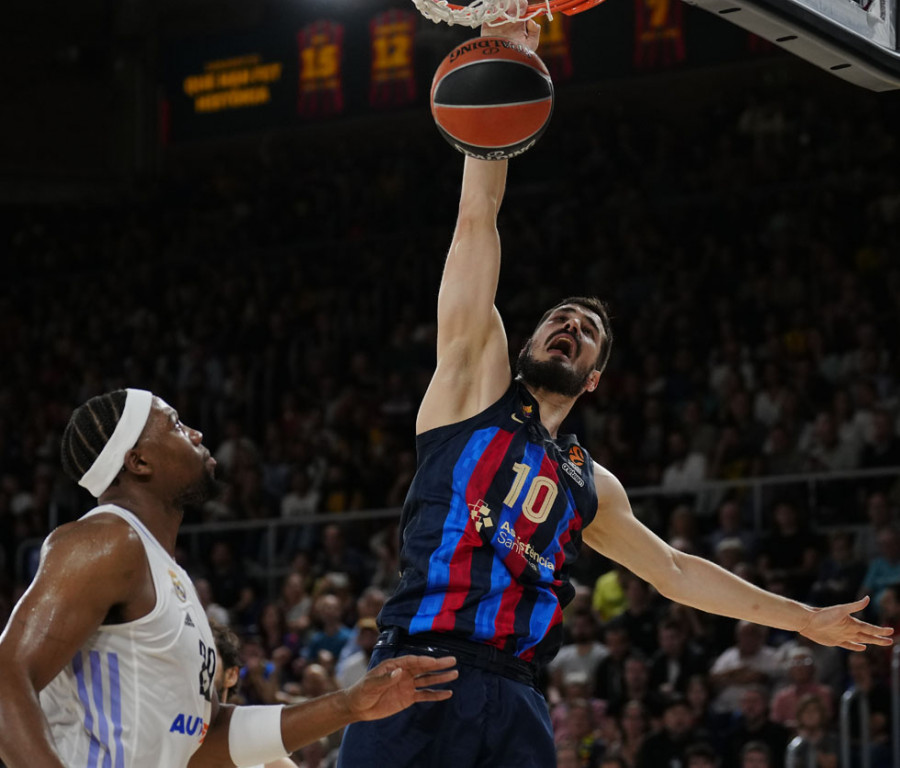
492, 721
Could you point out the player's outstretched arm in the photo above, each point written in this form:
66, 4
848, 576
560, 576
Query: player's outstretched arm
702, 584
386, 689
86, 568
472, 356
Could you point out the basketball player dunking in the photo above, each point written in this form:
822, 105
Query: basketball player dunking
498, 509
108, 658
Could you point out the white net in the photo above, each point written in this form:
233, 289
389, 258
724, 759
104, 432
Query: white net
478, 12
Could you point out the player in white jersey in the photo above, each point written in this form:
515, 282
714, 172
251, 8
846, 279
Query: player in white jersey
108, 660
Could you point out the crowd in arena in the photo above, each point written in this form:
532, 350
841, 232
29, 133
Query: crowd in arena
283, 302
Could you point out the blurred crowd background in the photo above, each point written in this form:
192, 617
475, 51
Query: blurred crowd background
282, 296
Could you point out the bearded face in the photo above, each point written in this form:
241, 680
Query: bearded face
556, 374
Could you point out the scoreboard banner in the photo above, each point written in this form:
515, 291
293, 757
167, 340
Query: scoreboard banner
333, 60
230, 84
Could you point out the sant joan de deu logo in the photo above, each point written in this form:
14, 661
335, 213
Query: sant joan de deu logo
180, 591
481, 515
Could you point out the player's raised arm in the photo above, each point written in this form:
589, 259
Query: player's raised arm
701, 584
86, 569
472, 356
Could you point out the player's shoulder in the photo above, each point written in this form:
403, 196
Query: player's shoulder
95, 538
604, 478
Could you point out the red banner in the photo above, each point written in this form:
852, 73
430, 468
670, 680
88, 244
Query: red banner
658, 33
393, 81
556, 49
321, 50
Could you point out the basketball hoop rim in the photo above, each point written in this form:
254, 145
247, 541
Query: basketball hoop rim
546, 8
495, 12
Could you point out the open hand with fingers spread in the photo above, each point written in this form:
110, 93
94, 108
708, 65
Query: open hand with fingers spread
398, 683
835, 625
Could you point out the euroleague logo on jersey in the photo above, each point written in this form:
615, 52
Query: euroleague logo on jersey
576, 455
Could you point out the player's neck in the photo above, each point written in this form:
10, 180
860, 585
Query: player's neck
553, 408
161, 518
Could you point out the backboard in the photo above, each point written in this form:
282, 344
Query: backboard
853, 39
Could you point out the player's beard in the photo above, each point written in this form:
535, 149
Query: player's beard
549, 375
204, 489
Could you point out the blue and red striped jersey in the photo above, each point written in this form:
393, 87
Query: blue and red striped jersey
490, 528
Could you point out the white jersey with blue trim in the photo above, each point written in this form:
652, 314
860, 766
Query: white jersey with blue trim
138, 694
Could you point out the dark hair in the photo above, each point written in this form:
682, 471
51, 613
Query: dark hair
89, 429
701, 749
594, 305
228, 647
756, 746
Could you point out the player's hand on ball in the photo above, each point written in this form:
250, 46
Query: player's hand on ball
526, 33
398, 683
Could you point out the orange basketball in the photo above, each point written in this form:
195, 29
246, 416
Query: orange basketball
491, 98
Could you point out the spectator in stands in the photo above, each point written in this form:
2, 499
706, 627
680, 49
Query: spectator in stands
747, 663
667, 746
608, 600
803, 682
812, 726
332, 633
840, 571
231, 587
884, 569
337, 555
634, 726
867, 679
757, 754
610, 679
583, 654
355, 665
574, 686
755, 727
582, 732
260, 676
790, 553
641, 615
684, 470
778, 454
227, 676
368, 606
879, 515
676, 661
567, 755
300, 502
881, 450
682, 531
826, 450
731, 526
236, 450
214, 611
701, 755
296, 604
636, 686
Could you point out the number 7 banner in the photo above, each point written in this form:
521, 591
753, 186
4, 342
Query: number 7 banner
658, 33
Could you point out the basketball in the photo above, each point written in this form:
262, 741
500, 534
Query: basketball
491, 98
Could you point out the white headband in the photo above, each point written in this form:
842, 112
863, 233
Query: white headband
109, 463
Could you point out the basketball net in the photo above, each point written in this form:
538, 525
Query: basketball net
495, 12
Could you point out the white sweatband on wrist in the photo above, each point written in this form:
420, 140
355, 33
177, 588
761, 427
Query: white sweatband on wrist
108, 463
254, 735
